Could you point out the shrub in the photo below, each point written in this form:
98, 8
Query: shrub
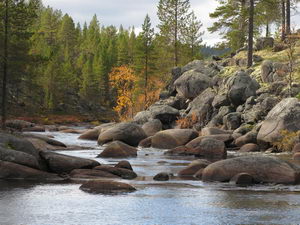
287, 140
187, 122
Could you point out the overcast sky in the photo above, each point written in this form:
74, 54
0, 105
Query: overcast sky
132, 12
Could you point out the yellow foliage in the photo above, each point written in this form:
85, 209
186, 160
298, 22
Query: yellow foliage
187, 122
287, 140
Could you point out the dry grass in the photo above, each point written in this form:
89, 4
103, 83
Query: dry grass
187, 122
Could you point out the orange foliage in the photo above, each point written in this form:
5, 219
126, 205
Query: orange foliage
187, 122
122, 79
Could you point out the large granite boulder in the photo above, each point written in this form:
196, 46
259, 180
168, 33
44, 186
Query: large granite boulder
59, 163
262, 169
166, 114
118, 149
94, 133
285, 116
240, 87
127, 132
192, 83
173, 138
152, 127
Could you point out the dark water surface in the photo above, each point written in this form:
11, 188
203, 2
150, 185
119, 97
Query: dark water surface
175, 202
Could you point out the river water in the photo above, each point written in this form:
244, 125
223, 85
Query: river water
176, 202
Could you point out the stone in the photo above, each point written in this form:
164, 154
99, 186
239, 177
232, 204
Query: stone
91, 174
173, 138
214, 131
191, 84
180, 151
296, 148
18, 124
199, 173
284, 116
242, 180
166, 114
152, 127
250, 137
211, 149
124, 165
142, 117
226, 138
240, 87
106, 187
120, 172
146, 143
118, 149
249, 148
263, 170
220, 100
161, 177
10, 170
59, 163
127, 132
232, 121
296, 156
263, 43
193, 168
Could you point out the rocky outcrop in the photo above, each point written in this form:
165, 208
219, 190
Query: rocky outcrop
59, 163
285, 116
118, 149
262, 169
172, 138
106, 187
128, 132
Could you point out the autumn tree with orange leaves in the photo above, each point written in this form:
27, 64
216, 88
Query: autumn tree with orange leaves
122, 79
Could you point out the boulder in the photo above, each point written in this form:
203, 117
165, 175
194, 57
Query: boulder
250, 137
91, 174
118, 149
210, 149
262, 169
124, 165
10, 170
214, 131
199, 173
142, 117
181, 150
193, 168
226, 138
296, 156
192, 83
46, 139
242, 180
263, 43
34, 129
166, 114
285, 116
127, 132
161, 177
220, 100
240, 87
232, 121
121, 172
173, 138
146, 143
249, 148
17, 157
106, 187
59, 163
18, 124
152, 127
94, 133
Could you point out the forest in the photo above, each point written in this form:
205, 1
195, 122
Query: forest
50, 65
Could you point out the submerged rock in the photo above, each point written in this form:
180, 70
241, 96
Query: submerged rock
106, 187
262, 169
161, 177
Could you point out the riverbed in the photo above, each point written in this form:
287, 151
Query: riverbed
176, 202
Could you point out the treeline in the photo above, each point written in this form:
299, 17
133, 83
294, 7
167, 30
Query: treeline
237, 20
51, 64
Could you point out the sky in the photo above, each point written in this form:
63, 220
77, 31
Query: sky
132, 13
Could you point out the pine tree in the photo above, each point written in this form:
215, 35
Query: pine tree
173, 15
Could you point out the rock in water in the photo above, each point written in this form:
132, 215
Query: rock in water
128, 132
285, 116
118, 149
59, 163
173, 138
161, 177
106, 187
262, 169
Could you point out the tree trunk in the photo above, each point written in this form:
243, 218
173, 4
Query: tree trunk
250, 34
176, 35
146, 80
288, 17
283, 20
5, 60
267, 29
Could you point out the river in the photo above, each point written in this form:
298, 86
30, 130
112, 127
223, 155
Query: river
176, 202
